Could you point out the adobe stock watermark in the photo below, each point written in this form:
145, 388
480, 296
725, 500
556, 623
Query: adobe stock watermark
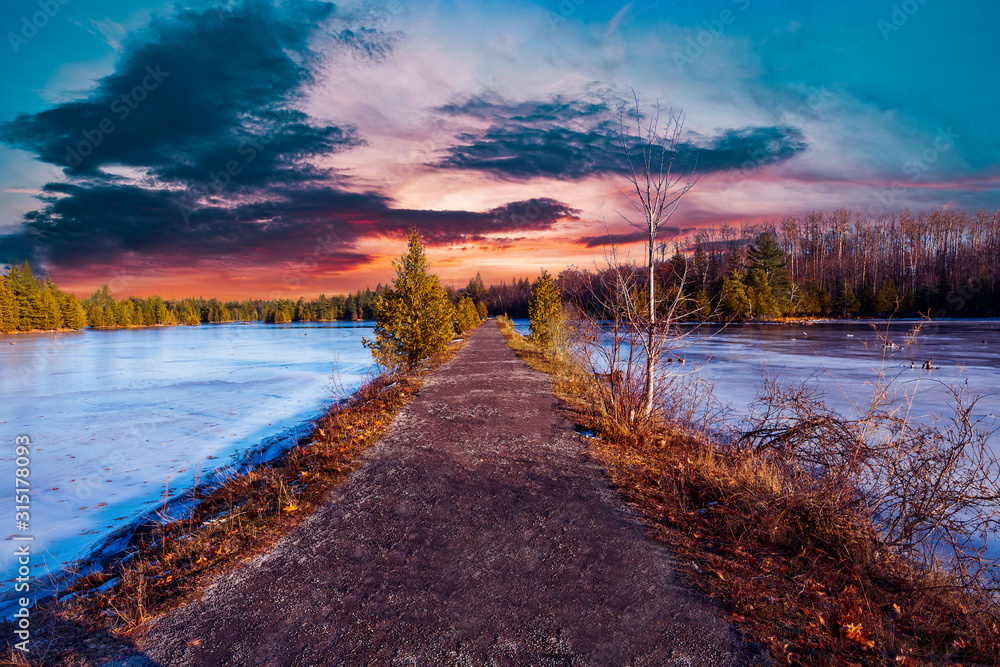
566, 9
30, 25
915, 167
378, 12
900, 14
958, 298
762, 156
122, 107
22, 540
708, 32
533, 211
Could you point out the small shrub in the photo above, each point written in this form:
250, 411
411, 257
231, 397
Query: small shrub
544, 309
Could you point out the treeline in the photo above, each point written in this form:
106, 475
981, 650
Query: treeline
28, 303
938, 263
103, 310
31, 303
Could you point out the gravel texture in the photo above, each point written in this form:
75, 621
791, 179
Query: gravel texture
476, 532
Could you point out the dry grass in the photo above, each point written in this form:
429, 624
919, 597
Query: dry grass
174, 563
792, 563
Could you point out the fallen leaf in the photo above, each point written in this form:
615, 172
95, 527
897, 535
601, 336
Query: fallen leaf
857, 634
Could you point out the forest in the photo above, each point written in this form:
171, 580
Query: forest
32, 303
943, 263
936, 264
103, 310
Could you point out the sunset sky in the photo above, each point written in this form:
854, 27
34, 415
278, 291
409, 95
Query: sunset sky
258, 148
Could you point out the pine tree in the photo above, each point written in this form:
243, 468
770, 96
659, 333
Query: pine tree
95, 316
73, 315
701, 307
475, 290
847, 302
413, 319
765, 253
466, 315
763, 303
8, 307
27, 292
736, 302
544, 309
887, 299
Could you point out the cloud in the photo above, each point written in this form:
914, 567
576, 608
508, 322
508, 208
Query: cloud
192, 92
109, 223
633, 237
195, 151
577, 139
491, 106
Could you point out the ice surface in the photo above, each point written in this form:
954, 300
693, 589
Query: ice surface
119, 419
845, 358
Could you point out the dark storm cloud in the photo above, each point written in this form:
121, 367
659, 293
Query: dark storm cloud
111, 222
193, 92
632, 237
493, 107
576, 139
202, 105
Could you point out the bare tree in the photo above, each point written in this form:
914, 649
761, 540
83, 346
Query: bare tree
655, 192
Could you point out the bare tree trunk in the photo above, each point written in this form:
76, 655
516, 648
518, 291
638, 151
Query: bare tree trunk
655, 194
651, 327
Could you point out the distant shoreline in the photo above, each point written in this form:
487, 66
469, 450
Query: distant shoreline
166, 326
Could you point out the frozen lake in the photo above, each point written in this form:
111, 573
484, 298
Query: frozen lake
846, 357
119, 419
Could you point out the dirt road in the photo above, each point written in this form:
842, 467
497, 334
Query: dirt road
476, 533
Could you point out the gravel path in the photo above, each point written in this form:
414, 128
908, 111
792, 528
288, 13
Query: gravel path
476, 533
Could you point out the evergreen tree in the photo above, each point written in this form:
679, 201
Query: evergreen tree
475, 290
51, 315
887, 299
701, 307
157, 310
466, 315
847, 303
27, 292
763, 303
413, 319
8, 307
73, 315
544, 309
95, 316
765, 254
700, 263
815, 301
736, 302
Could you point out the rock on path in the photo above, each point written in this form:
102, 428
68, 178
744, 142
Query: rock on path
476, 533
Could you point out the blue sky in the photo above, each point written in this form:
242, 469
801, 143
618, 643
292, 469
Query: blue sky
489, 126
